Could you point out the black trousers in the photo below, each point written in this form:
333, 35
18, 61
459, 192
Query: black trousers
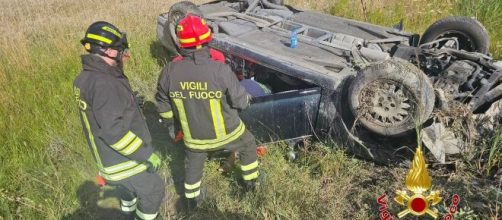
194, 164
142, 194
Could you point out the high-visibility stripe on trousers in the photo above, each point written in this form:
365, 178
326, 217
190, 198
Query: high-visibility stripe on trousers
250, 171
192, 190
194, 166
145, 216
128, 206
141, 194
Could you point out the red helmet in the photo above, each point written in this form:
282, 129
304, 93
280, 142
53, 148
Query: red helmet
193, 31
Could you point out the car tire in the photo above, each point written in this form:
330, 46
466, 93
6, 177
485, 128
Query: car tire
471, 34
391, 97
176, 12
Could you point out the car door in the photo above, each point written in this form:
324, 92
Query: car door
284, 115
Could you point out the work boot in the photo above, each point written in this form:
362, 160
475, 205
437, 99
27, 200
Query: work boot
250, 186
127, 215
256, 184
193, 203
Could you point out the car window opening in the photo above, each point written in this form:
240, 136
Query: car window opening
268, 81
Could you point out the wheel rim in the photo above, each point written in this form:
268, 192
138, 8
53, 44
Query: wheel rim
386, 103
464, 41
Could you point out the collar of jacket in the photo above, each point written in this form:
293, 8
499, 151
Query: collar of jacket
199, 56
93, 62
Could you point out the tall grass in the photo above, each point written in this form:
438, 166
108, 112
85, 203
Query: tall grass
489, 13
44, 160
494, 154
44, 157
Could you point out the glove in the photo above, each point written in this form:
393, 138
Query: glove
154, 161
178, 137
140, 100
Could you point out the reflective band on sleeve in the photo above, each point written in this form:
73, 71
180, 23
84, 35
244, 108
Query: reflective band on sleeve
218, 121
126, 140
204, 36
183, 118
146, 216
250, 166
251, 176
99, 38
167, 115
133, 147
192, 195
187, 40
192, 186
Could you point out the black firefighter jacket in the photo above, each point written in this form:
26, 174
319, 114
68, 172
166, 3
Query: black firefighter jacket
205, 96
114, 126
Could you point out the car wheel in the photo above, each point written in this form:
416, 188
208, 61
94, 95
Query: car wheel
176, 12
470, 34
391, 97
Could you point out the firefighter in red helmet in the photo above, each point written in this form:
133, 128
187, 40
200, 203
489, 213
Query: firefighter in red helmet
205, 97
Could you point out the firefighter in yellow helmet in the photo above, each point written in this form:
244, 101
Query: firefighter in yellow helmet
114, 126
205, 96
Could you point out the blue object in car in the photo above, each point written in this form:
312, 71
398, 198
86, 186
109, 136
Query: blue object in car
294, 39
254, 88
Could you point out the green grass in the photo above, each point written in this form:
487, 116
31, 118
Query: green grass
489, 13
494, 148
46, 169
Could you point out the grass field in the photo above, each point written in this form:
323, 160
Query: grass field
46, 170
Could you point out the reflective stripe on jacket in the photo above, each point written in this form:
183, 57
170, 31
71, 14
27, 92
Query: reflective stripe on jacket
114, 126
205, 96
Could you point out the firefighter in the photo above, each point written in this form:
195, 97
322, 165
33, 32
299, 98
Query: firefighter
114, 126
205, 96
215, 55
254, 88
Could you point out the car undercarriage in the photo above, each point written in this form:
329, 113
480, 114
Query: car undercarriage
375, 90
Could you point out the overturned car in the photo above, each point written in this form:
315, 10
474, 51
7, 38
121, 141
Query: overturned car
361, 85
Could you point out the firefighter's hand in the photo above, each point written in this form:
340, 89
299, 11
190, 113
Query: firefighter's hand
154, 161
126, 56
178, 136
140, 99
